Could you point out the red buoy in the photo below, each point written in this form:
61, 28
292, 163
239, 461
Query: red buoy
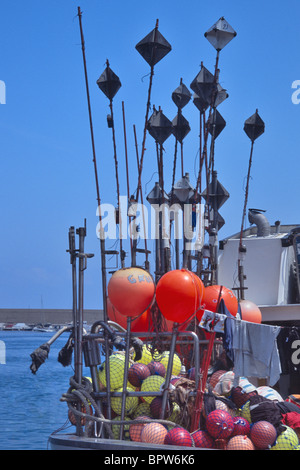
213, 295
179, 294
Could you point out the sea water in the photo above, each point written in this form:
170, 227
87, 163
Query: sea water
30, 404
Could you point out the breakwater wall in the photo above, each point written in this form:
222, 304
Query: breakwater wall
54, 316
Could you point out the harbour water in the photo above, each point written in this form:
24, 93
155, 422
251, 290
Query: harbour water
30, 404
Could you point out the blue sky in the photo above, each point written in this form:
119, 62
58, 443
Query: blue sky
47, 178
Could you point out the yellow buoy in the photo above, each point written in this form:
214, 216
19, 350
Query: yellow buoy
153, 383
164, 359
116, 428
131, 403
116, 369
146, 355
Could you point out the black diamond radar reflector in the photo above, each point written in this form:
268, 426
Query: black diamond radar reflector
221, 95
153, 47
199, 103
204, 85
254, 126
109, 83
181, 96
183, 190
216, 123
181, 127
221, 194
156, 194
159, 127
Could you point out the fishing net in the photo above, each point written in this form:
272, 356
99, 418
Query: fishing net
181, 395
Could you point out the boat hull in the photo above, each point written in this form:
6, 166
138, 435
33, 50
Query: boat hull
73, 442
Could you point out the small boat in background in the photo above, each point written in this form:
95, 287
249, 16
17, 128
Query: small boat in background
21, 327
44, 328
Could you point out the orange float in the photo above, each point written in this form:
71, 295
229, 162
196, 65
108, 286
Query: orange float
211, 297
179, 295
250, 311
140, 323
131, 291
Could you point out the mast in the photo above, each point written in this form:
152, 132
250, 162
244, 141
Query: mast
152, 48
253, 127
209, 93
109, 83
102, 239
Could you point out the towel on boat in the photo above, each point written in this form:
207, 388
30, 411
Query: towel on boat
255, 350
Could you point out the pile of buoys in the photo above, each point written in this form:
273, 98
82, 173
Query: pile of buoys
222, 431
229, 426
148, 376
180, 296
233, 426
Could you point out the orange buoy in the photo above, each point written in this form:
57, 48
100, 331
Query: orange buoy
131, 291
114, 315
211, 297
154, 433
179, 294
140, 323
250, 311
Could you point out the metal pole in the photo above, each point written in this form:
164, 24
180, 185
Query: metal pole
82, 233
147, 266
161, 212
169, 370
102, 242
241, 275
202, 383
246, 192
146, 121
125, 380
127, 170
72, 251
176, 221
214, 229
119, 218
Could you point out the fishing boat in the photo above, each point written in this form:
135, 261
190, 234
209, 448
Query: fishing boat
156, 357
